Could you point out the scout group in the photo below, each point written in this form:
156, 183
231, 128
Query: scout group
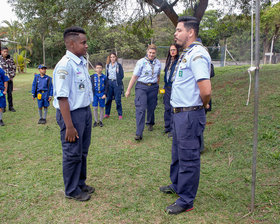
187, 94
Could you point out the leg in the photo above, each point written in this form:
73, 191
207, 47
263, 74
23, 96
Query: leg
95, 114
140, 106
101, 113
151, 104
174, 167
167, 110
109, 99
9, 94
118, 99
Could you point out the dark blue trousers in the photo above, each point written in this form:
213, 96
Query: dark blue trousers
185, 166
168, 120
75, 153
145, 99
114, 91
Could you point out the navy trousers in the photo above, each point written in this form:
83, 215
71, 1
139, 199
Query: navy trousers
75, 153
9, 93
114, 91
145, 99
185, 166
168, 120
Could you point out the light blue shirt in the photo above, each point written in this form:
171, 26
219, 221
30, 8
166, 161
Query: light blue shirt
147, 72
194, 66
112, 71
71, 79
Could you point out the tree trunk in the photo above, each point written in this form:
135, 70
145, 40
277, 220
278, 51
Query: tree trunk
200, 9
44, 53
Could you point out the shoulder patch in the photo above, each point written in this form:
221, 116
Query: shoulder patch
62, 71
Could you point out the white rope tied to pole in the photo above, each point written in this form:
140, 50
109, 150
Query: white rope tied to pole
251, 69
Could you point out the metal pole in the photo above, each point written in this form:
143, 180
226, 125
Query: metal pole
256, 105
252, 32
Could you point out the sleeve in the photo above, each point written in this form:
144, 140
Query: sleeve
62, 81
92, 83
121, 71
14, 68
159, 68
200, 65
138, 68
33, 85
51, 88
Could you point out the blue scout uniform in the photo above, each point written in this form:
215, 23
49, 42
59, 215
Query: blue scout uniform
115, 87
188, 122
42, 89
71, 80
146, 90
99, 88
3, 78
166, 98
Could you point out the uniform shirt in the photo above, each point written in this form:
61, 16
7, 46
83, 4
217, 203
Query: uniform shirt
3, 78
112, 71
8, 65
147, 71
99, 82
71, 80
194, 66
42, 84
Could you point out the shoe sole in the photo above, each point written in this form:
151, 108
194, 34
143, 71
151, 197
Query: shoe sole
70, 197
180, 212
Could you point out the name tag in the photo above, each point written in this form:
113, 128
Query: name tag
82, 86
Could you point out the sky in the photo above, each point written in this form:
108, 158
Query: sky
6, 12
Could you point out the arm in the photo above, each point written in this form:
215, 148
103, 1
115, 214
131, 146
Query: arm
50, 90
6, 87
34, 87
205, 91
121, 71
71, 133
130, 85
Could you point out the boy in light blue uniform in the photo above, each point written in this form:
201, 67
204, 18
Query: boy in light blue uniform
3, 91
191, 92
146, 73
72, 99
100, 89
42, 89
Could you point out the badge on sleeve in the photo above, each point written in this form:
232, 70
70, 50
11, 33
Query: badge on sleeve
180, 73
184, 60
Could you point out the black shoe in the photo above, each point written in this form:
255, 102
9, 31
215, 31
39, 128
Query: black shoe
44, 121
175, 209
2, 123
88, 189
83, 196
166, 131
95, 124
40, 121
150, 127
138, 138
12, 109
170, 135
167, 190
101, 124
4, 110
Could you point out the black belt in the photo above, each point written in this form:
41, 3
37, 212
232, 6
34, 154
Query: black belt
148, 84
41, 91
99, 91
112, 79
169, 87
185, 109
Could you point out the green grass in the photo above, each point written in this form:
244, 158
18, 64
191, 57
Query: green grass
127, 174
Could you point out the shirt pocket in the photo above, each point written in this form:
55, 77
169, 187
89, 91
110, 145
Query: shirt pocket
80, 83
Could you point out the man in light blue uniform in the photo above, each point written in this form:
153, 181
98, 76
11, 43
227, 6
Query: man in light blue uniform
72, 98
191, 91
147, 73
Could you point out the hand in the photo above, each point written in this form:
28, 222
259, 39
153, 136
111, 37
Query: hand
127, 93
33, 97
207, 106
50, 98
71, 134
4, 92
103, 97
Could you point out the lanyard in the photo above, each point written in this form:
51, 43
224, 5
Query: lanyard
182, 56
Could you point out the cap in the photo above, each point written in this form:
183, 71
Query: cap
42, 66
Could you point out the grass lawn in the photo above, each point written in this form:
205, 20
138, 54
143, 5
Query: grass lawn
127, 174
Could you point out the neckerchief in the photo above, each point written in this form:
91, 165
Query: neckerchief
152, 64
182, 56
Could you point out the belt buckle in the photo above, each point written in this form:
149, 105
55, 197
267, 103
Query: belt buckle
176, 110
149, 84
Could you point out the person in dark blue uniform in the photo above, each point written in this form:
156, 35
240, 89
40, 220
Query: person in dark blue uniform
3, 91
190, 94
146, 73
72, 98
171, 61
114, 73
42, 89
99, 89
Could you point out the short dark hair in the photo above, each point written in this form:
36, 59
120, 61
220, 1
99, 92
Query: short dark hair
190, 22
4, 48
98, 63
73, 31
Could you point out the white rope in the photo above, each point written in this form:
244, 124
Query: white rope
251, 69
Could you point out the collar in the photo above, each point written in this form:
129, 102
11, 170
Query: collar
75, 58
151, 61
